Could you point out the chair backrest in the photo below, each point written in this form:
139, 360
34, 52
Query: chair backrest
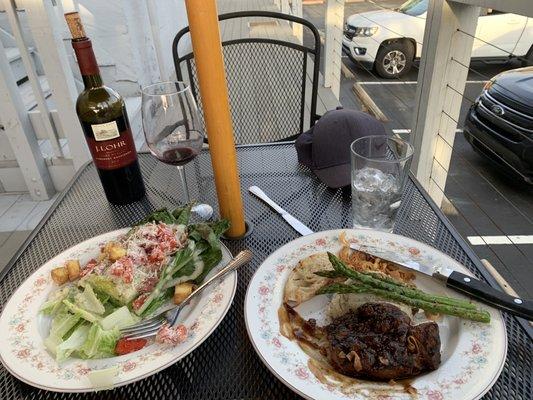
272, 83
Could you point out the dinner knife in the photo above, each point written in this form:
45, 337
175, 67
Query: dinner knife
467, 285
297, 225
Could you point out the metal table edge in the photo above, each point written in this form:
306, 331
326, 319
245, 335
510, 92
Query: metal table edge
467, 249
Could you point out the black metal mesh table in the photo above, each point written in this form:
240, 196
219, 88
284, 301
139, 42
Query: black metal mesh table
225, 366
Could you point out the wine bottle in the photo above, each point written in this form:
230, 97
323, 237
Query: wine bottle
104, 120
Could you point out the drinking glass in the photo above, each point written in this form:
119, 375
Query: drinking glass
172, 129
380, 166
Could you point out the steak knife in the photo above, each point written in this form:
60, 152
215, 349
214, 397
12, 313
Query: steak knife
467, 285
297, 225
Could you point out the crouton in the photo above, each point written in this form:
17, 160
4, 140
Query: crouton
115, 252
59, 275
73, 268
182, 290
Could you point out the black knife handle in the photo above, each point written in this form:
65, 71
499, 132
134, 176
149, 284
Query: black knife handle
487, 294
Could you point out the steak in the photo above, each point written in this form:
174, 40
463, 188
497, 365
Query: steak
379, 342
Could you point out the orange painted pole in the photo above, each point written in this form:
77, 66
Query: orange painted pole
205, 37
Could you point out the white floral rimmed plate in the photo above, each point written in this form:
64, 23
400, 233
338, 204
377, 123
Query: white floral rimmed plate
23, 329
473, 354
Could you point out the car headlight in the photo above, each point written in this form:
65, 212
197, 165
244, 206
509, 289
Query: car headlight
366, 31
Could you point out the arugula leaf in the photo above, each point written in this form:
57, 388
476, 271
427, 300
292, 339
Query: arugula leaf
159, 301
182, 214
161, 215
208, 245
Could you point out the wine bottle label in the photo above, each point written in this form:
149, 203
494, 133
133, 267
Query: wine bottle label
111, 144
105, 131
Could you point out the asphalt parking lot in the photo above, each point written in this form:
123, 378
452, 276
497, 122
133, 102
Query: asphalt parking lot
486, 206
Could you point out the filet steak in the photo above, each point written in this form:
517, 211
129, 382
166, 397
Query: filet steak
379, 342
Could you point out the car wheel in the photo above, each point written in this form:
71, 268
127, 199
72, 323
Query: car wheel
394, 59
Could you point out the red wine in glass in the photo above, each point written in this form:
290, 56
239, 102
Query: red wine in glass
179, 156
173, 130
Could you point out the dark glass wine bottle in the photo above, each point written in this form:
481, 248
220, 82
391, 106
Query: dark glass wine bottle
103, 117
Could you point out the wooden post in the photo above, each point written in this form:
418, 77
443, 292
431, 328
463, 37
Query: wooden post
44, 24
20, 134
333, 45
207, 49
437, 104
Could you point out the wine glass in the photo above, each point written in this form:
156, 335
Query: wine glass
172, 130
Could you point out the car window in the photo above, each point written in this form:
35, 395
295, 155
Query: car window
414, 7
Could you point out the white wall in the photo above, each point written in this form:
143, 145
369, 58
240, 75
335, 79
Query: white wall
171, 17
123, 39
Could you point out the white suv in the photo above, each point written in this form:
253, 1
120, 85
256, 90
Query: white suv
390, 40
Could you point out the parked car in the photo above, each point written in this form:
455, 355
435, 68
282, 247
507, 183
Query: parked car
389, 40
499, 125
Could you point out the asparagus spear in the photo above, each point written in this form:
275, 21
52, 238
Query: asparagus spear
389, 284
433, 307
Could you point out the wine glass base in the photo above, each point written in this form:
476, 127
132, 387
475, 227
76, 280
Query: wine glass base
203, 211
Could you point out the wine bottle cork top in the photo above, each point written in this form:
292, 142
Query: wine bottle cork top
74, 25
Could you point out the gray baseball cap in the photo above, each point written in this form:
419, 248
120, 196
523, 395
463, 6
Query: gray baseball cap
325, 148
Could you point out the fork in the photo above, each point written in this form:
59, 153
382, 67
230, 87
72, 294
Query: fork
170, 314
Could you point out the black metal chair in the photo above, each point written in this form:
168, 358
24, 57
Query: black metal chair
272, 83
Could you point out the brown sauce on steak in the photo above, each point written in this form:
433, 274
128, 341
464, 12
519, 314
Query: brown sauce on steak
378, 342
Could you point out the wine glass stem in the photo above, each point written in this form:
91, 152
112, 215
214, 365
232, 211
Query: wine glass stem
183, 178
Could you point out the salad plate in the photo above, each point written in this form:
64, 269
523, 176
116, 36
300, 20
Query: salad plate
472, 353
24, 329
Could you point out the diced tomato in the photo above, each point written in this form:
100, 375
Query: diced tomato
156, 255
125, 346
139, 301
173, 336
148, 284
166, 238
88, 267
123, 268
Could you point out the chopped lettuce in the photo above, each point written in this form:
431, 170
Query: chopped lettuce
103, 378
120, 318
51, 343
63, 323
87, 319
118, 294
100, 343
74, 342
88, 300
87, 315
55, 301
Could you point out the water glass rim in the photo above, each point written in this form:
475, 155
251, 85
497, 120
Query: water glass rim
409, 153
172, 86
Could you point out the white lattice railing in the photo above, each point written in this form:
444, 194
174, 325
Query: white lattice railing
23, 130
